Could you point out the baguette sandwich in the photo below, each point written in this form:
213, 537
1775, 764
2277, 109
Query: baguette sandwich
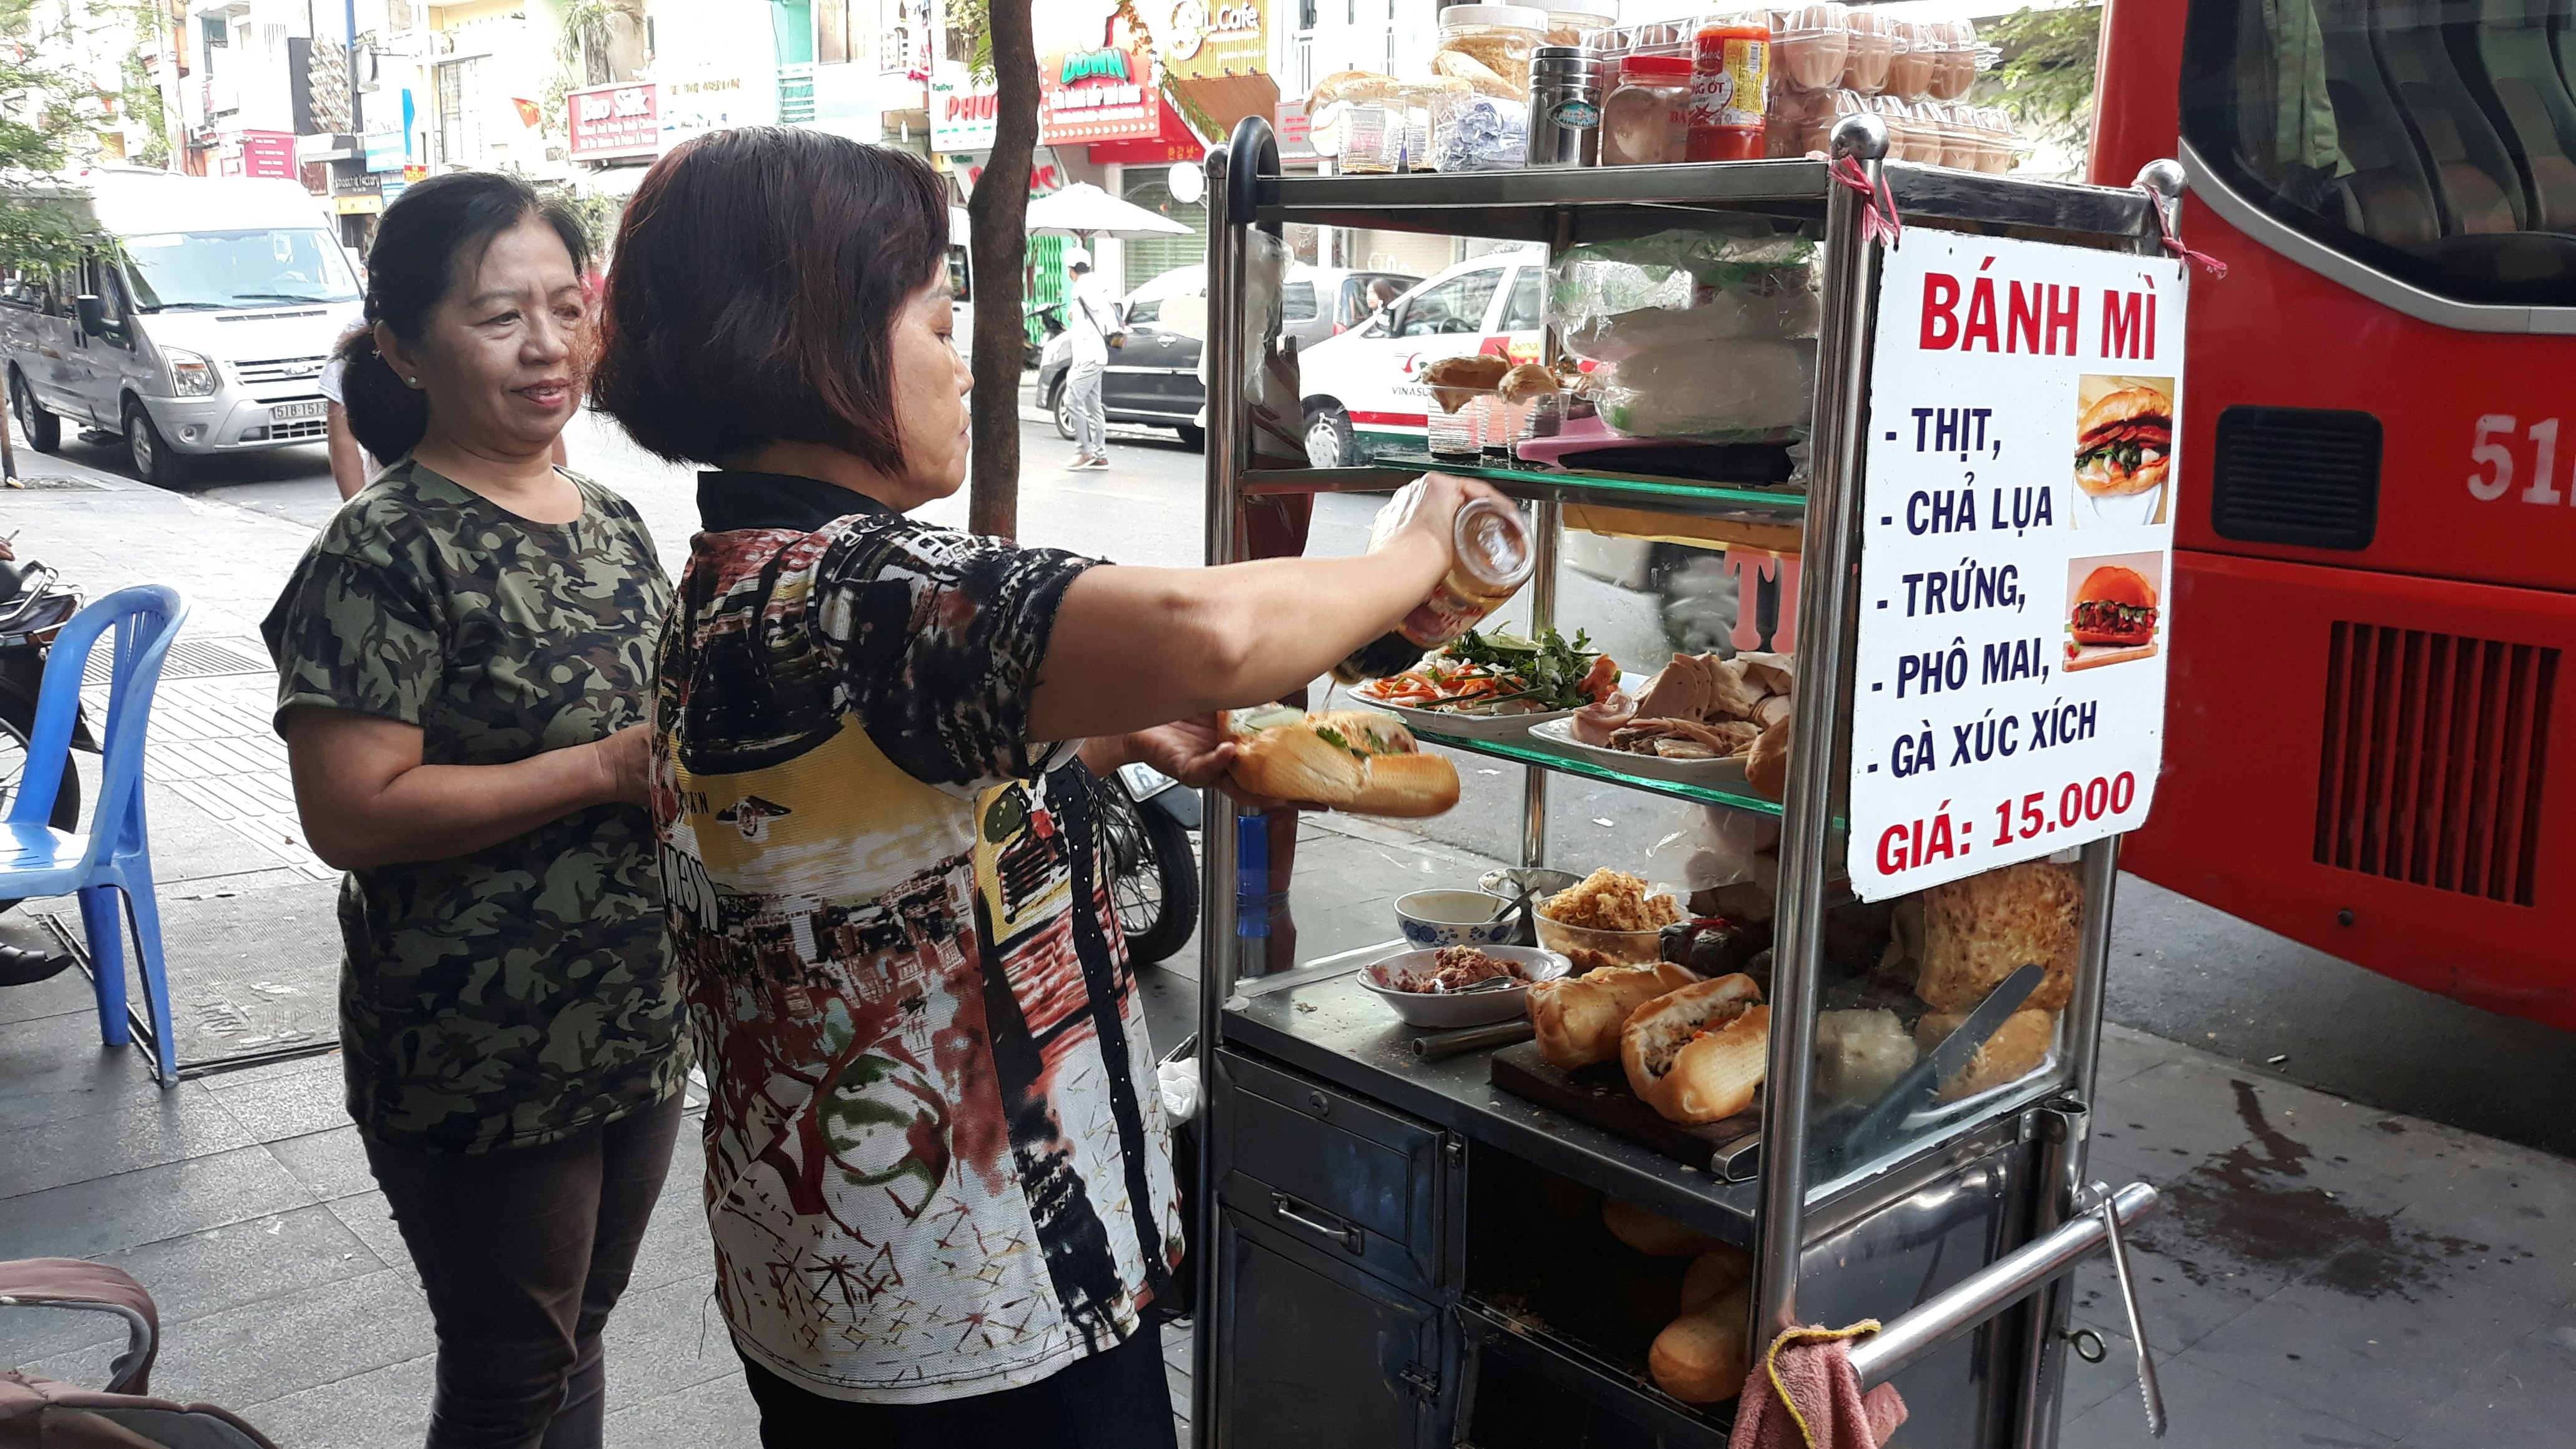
1578, 1017
1697, 1054
1349, 759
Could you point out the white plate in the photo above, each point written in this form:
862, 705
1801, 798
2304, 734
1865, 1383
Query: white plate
1460, 725
1559, 735
296, 411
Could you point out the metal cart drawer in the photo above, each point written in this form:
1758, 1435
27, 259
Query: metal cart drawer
1316, 1353
1331, 1170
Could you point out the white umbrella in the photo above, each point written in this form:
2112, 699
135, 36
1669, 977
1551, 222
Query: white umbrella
1086, 210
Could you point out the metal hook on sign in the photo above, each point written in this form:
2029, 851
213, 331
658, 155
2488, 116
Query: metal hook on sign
2088, 1345
2148, 1388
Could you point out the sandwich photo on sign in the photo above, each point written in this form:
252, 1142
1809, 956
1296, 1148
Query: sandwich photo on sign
2112, 609
2123, 449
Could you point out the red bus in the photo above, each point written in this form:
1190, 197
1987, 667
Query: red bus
2375, 578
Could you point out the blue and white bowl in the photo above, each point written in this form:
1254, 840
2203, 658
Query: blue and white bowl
1432, 919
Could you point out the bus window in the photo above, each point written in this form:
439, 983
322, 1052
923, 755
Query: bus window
2432, 140
958, 288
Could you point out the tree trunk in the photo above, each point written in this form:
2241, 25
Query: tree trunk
999, 246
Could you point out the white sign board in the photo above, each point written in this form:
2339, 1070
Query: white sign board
2009, 695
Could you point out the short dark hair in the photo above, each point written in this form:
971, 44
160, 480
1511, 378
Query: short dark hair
427, 241
757, 279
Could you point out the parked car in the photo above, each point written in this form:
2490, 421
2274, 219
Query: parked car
1153, 374
197, 326
1366, 382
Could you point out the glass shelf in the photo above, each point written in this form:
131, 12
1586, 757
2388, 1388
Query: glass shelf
1774, 505
1528, 751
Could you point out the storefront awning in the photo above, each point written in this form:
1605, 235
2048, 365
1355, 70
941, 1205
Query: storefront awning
1173, 142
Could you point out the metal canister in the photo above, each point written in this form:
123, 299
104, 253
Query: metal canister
1567, 86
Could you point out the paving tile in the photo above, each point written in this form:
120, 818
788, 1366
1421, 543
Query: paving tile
2378, 1361
108, 1214
330, 1164
2208, 1410
204, 1273
2125, 1053
288, 1343
2513, 1213
2527, 1396
715, 1414
166, 1126
292, 1105
55, 1070
371, 1221
383, 1408
676, 1244
2089, 1384
235, 1079
666, 1339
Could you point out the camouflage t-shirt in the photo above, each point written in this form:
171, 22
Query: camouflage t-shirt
523, 992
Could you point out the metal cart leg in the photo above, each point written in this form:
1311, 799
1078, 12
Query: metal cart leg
1825, 633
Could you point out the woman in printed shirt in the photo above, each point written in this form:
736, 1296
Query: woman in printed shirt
937, 1170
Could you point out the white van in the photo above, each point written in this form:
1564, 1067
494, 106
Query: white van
197, 325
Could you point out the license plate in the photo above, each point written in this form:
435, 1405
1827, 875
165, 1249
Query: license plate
296, 411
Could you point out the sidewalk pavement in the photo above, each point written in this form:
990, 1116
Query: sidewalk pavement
2325, 1274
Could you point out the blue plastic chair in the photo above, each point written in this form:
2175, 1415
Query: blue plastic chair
116, 856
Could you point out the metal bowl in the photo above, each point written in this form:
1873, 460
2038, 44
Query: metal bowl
1465, 1008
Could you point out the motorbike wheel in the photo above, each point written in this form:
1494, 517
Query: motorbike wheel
13, 767
44, 431
1153, 880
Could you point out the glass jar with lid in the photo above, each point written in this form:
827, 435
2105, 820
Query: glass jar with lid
1580, 22
1488, 47
1647, 119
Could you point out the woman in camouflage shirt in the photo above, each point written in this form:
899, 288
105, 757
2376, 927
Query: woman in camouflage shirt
463, 661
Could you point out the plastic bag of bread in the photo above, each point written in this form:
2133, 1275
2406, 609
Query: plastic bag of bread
1754, 389
2017, 1049
1456, 381
1860, 1054
1979, 930
1698, 1054
1578, 1017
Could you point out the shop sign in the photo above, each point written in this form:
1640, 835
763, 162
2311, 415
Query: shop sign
356, 183
357, 205
411, 174
394, 188
2018, 513
268, 153
388, 150
961, 112
614, 120
1207, 38
1096, 83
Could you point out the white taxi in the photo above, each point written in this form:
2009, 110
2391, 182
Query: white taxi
1363, 389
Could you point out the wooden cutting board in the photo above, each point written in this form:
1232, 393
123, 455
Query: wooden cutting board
1599, 1095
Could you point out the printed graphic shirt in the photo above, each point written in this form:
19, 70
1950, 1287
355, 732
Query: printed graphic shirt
936, 1163
523, 992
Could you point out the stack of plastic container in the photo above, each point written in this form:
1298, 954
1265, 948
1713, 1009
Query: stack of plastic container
1835, 60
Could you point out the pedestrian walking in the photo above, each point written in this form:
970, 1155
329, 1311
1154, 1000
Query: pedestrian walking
938, 1173
1091, 320
463, 661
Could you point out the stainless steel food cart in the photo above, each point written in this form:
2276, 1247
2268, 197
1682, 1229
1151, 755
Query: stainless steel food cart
1376, 1264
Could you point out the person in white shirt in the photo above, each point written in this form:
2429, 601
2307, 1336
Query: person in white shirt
1091, 316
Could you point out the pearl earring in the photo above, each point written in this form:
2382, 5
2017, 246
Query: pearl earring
413, 381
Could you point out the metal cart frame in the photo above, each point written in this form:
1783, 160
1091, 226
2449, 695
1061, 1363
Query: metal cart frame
2067, 1219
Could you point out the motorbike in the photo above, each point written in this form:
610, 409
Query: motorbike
1145, 821
34, 606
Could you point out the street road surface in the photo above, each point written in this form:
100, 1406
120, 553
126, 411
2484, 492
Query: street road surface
2180, 971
